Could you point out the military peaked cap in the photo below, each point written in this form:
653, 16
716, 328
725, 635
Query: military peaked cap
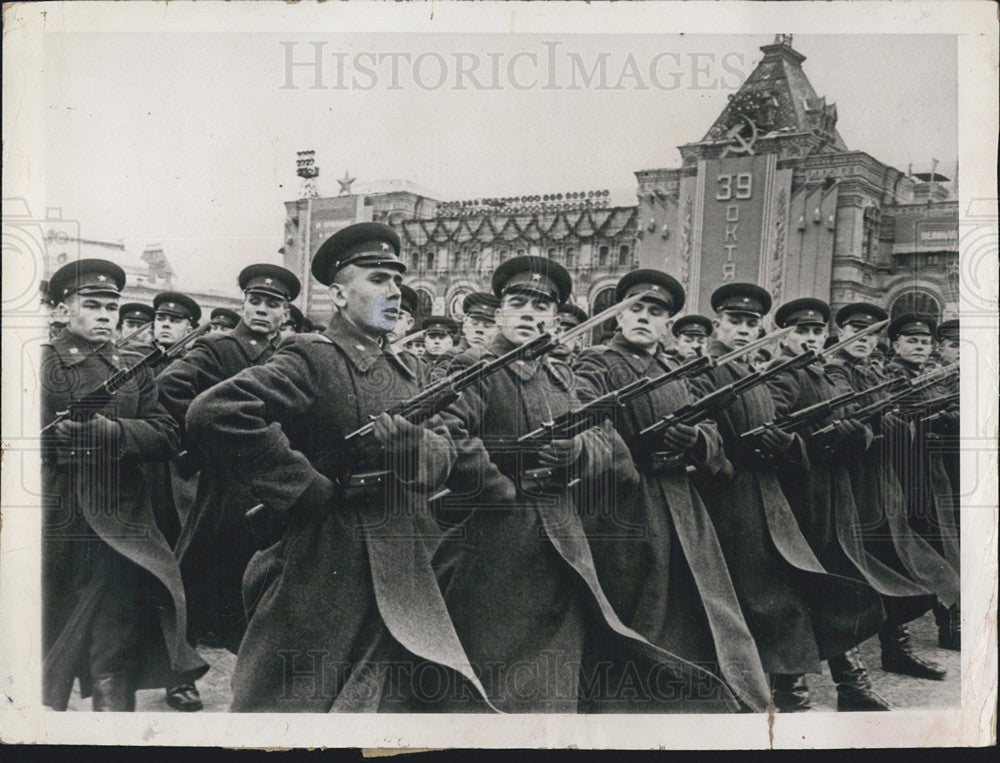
87, 277
692, 325
534, 275
273, 280
363, 244
912, 324
665, 288
804, 310
177, 304
746, 298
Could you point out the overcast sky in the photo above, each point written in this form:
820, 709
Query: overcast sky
190, 140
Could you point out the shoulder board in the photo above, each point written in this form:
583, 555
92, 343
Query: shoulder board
309, 338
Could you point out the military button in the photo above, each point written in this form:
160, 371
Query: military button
359, 347
114, 358
73, 350
253, 341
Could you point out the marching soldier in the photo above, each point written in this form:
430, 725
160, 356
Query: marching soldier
569, 315
405, 319
918, 461
113, 600
948, 349
175, 314
691, 333
223, 320
345, 607
131, 317
439, 337
521, 586
797, 612
821, 495
215, 544
881, 509
671, 583
480, 324
293, 322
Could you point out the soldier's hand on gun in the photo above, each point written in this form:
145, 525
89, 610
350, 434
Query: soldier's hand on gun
776, 440
396, 434
561, 452
847, 429
97, 432
680, 438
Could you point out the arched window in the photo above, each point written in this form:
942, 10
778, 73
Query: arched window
551, 253
915, 302
604, 299
570, 256
430, 261
425, 303
602, 257
623, 255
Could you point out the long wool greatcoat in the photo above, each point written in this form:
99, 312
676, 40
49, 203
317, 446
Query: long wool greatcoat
522, 588
797, 611
822, 499
670, 583
345, 612
920, 466
215, 543
98, 498
886, 535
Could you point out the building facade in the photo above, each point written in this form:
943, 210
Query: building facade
771, 194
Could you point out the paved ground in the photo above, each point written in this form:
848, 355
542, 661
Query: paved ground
902, 691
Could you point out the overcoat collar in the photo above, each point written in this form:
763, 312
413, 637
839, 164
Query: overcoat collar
813, 369
253, 345
912, 369
637, 358
523, 369
73, 349
360, 349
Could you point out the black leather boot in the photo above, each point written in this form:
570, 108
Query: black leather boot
790, 693
854, 687
898, 655
949, 627
185, 698
113, 693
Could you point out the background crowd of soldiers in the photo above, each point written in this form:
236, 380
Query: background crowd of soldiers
387, 514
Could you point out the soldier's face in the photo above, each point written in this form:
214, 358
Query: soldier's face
368, 297
169, 328
438, 342
690, 345
808, 336
948, 350
263, 313
644, 324
735, 330
478, 331
523, 317
91, 318
862, 348
914, 348
403, 324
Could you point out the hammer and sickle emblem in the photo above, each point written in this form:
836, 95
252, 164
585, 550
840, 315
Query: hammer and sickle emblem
736, 133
